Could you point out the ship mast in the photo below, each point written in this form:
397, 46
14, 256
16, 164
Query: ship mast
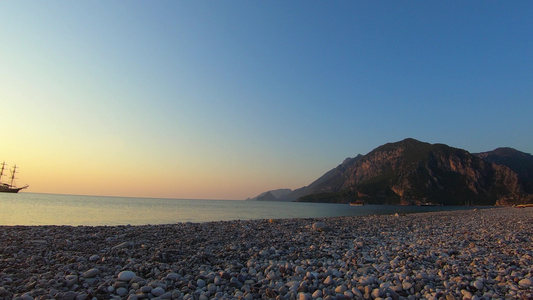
2, 171
13, 174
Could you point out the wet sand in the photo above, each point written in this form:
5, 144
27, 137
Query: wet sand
474, 254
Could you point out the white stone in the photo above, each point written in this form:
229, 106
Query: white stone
126, 275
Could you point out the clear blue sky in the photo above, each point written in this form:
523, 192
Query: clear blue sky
227, 99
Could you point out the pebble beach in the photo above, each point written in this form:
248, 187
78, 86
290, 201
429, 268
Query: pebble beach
472, 254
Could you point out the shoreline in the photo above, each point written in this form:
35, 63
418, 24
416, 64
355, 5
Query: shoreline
471, 254
47, 210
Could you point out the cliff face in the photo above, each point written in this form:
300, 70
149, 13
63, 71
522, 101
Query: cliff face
521, 163
413, 172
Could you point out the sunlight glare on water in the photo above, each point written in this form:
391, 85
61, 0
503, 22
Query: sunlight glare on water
50, 209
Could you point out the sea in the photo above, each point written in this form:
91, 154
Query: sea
75, 210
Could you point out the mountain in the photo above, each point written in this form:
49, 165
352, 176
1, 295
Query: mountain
411, 172
521, 163
274, 195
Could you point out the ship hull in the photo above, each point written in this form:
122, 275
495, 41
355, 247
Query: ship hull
4, 189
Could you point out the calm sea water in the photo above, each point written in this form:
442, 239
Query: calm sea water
49, 209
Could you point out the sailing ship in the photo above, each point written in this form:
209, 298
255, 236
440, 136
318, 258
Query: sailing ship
9, 187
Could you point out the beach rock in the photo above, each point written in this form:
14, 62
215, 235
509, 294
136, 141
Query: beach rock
200, 283
407, 285
234, 282
525, 283
376, 293
94, 258
121, 245
356, 292
341, 289
304, 296
478, 284
126, 275
367, 280
212, 288
321, 226
317, 294
91, 273
70, 280
158, 291
466, 294
122, 291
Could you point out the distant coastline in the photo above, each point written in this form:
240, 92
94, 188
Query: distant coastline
411, 172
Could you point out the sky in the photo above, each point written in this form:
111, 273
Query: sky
228, 99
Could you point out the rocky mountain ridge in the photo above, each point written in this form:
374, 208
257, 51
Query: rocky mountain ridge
411, 172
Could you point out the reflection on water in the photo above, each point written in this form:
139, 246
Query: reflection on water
49, 209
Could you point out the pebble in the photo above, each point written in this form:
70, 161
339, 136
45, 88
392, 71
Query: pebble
317, 294
525, 283
126, 275
158, 291
341, 289
122, 291
91, 273
211, 288
478, 284
200, 283
483, 254
407, 286
94, 258
320, 226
